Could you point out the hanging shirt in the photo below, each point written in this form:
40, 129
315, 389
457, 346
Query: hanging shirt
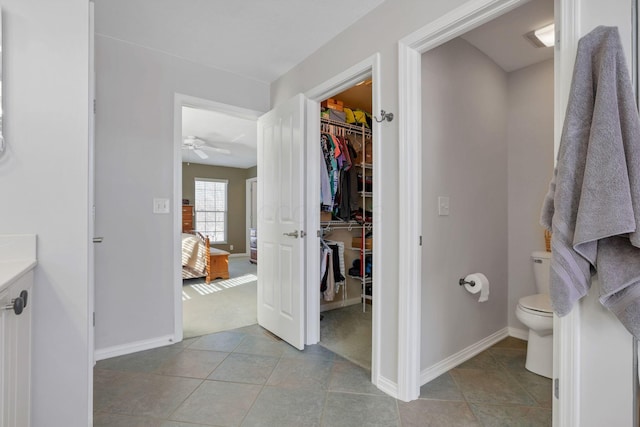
328, 150
326, 198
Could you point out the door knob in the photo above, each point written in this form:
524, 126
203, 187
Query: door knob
17, 305
98, 239
293, 234
24, 295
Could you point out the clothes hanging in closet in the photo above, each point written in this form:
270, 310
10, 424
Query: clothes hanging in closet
327, 282
331, 164
326, 195
338, 192
332, 268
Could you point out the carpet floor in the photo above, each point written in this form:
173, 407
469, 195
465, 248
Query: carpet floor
222, 304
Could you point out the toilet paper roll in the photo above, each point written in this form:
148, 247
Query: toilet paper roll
481, 285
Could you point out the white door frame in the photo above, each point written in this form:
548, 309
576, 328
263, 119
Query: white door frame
91, 280
179, 101
339, 83
410, 49
566, 330
248, 211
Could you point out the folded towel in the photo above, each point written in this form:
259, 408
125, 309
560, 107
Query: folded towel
593, 204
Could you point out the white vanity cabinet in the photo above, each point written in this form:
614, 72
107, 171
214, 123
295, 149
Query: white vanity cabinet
17, 263
15, 351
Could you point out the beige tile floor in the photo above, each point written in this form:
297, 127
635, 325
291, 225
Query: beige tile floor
246, 377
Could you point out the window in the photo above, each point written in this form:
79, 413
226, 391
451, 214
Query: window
211, 208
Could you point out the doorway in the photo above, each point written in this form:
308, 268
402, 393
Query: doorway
215, 149
365, 70
347, 226
369, 68
417, 366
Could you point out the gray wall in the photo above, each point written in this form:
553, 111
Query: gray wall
491, 166
134, 164
464, 157
44, 190
236, 199
530, 167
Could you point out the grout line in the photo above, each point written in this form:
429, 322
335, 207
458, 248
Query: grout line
262, 388
168, 418
324, 406
398, 416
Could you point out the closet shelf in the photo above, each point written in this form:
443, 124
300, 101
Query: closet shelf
364, 251
367, 280
360, 128
343, 224
365, 165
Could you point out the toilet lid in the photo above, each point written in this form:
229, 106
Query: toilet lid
538, 302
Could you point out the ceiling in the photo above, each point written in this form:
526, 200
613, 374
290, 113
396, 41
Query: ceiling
257, 39
233, 35
503, 39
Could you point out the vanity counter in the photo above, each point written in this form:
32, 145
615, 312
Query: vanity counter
17, 257
10, 271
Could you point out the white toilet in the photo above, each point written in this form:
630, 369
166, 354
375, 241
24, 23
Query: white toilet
534, 311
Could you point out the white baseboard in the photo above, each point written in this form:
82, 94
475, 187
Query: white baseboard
387, 386
239, 255
454, 360
519, 333
120, 350
340, 304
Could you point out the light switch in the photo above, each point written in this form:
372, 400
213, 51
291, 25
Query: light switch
160, 206
443, 205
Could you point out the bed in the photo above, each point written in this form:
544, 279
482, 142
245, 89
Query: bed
199, 259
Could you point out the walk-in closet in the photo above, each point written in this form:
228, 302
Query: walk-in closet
347, 225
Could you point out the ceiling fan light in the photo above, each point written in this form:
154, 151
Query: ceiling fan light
220, 150
200, 153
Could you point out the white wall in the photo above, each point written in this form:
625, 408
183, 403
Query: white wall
464, 146
530, 168
44, 187
379, 31
134, 163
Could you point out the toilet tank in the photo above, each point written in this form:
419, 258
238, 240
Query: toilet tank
541, 264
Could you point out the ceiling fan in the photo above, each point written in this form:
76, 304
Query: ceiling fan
195, 144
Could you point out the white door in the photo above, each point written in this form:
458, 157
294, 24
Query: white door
254, 203
281, 217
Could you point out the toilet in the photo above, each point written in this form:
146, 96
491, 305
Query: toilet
534, 311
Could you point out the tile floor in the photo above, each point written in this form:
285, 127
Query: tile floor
347, 331
248, 377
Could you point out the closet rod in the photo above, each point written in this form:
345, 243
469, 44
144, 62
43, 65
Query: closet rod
347, 126
339, 225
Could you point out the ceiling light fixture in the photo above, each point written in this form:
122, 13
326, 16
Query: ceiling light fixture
542, 37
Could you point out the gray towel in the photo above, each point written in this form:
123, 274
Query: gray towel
593, 204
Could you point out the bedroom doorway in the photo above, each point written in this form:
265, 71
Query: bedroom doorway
215, 157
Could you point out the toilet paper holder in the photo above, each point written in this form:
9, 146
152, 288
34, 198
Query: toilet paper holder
463, 282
